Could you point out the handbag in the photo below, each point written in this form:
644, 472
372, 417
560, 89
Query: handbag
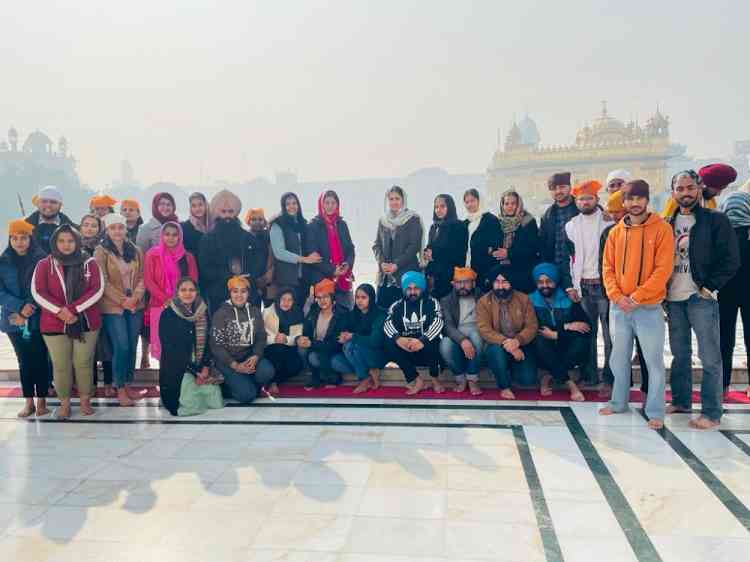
196, 398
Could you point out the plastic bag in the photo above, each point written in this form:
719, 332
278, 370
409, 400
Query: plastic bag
195, 398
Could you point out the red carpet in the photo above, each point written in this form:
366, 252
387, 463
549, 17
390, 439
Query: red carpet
296, 391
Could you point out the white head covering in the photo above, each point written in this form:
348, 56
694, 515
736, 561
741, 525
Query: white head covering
114, 218
623, 175
50, 192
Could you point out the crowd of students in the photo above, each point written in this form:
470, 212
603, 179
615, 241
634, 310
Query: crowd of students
239, 308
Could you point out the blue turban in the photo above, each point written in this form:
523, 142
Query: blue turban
548, 269
413, 277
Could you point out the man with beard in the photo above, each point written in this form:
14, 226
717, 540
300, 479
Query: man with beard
507, 324
713, 179
461, 347
706, 257
261, 266
584, 232
564, 331
48, 216
412, 331
637, 263
553, 241
225, 252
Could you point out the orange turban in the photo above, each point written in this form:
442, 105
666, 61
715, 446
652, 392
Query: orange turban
130, 203
35, 200
464, 274
20, 226
590, 187
325, 287
238, 282
102, 201
614, 203
254, 213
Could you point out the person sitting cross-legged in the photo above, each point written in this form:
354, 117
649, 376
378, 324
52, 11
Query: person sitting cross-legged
238, 338
412, 331
508, 326
564, 331
461, 346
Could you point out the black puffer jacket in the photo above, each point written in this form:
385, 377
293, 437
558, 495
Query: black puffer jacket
316, 240
714, 253
448, 242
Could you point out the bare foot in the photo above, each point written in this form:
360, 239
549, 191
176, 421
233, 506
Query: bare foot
63, 412
124, 398
41, 407
655, 424
747, 391
28, 409
109, 391
363, 386
702, 422
474, 388
416, 387
330, 386
672, 409
461, 387
86, 409
375, 376
606, 411
507, 393
544, 388
134, 394
309, 388
436, 386
605, 391
575, 393
273, 390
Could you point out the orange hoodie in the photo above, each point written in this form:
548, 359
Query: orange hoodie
638, 260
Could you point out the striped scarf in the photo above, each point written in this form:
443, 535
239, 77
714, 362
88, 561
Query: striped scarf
198, 315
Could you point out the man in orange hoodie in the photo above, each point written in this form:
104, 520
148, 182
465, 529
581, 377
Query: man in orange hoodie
637, 264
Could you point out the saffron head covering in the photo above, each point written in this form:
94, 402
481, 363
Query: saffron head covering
590, 187
614, 203
19, 227
548, 269
413, 278
324, 287
717, 176
130, 204
102, 200
256, 213
238, 282
464, 274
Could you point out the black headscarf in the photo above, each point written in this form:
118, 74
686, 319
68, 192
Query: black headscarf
24, 264
451, 215
296, 222
129, 250
288, 318
359, 323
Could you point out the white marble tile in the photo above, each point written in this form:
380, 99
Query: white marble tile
198, 528
274, 474
701, 549
491, 541
307, 499
17, 515
403, 503
611, 549
333, 474
405, 537
158, 469
506, 508
325, 533
35, 491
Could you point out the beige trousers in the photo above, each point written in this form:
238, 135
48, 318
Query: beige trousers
69, 356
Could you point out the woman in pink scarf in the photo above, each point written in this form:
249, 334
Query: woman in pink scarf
164, 265
328, 234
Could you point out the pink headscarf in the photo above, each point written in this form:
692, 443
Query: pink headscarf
170, 259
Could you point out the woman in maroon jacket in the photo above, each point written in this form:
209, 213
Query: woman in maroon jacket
67, 286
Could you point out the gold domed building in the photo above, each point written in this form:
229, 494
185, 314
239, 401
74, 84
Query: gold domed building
605, 145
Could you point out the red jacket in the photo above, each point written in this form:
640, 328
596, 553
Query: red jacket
48, 290
153, 278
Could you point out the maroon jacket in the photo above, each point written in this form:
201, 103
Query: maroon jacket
48, 290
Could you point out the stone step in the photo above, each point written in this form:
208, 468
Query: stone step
389, 375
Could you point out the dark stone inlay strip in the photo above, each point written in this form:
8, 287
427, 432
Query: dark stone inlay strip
643, 548
729, 434
552, 550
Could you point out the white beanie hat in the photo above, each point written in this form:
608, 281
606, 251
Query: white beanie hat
50, 192
623, 175
113, 218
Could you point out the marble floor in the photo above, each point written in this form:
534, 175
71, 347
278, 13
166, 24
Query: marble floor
402, 481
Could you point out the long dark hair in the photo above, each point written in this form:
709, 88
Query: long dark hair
451, 215
297, 222
361, 323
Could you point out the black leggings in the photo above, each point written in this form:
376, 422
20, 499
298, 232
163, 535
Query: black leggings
285, 360
558, 359
33, 364
408, 361
729, 305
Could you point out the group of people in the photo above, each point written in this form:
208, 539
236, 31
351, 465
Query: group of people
244, 307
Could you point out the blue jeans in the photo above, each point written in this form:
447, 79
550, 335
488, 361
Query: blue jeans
647, 324
461, 367
596, 305
702, 315
502, 365
358, 359
321, 367
242, 387
123, 331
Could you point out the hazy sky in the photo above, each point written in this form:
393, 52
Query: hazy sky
355, 88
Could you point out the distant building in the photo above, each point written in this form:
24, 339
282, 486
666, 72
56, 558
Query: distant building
607, 144
37, 158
